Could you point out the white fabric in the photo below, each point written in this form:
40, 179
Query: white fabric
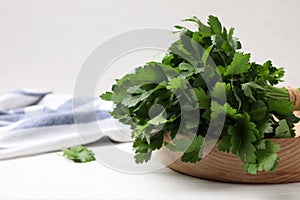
37, 122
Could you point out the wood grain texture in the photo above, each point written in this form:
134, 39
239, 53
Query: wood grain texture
225, 167
220, 166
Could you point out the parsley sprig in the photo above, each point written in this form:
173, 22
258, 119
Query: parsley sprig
79, 154
254, 108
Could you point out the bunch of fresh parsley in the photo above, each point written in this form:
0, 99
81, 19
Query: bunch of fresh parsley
186, 81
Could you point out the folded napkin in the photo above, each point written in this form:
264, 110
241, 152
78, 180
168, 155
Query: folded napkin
33, 122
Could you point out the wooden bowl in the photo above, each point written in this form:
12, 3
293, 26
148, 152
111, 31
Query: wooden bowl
226, 167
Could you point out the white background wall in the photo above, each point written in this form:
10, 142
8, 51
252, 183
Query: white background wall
43, 43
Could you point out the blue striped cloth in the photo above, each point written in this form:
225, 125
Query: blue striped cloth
33, 122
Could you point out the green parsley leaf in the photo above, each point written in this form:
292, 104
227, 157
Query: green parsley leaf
194, 151
79, 154
107, 96
240, 64
225, 144
282, 131
267, 157
215, 24
243, 138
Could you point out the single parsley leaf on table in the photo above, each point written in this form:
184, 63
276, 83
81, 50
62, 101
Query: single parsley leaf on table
79, 154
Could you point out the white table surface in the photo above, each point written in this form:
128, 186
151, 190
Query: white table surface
51, 176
